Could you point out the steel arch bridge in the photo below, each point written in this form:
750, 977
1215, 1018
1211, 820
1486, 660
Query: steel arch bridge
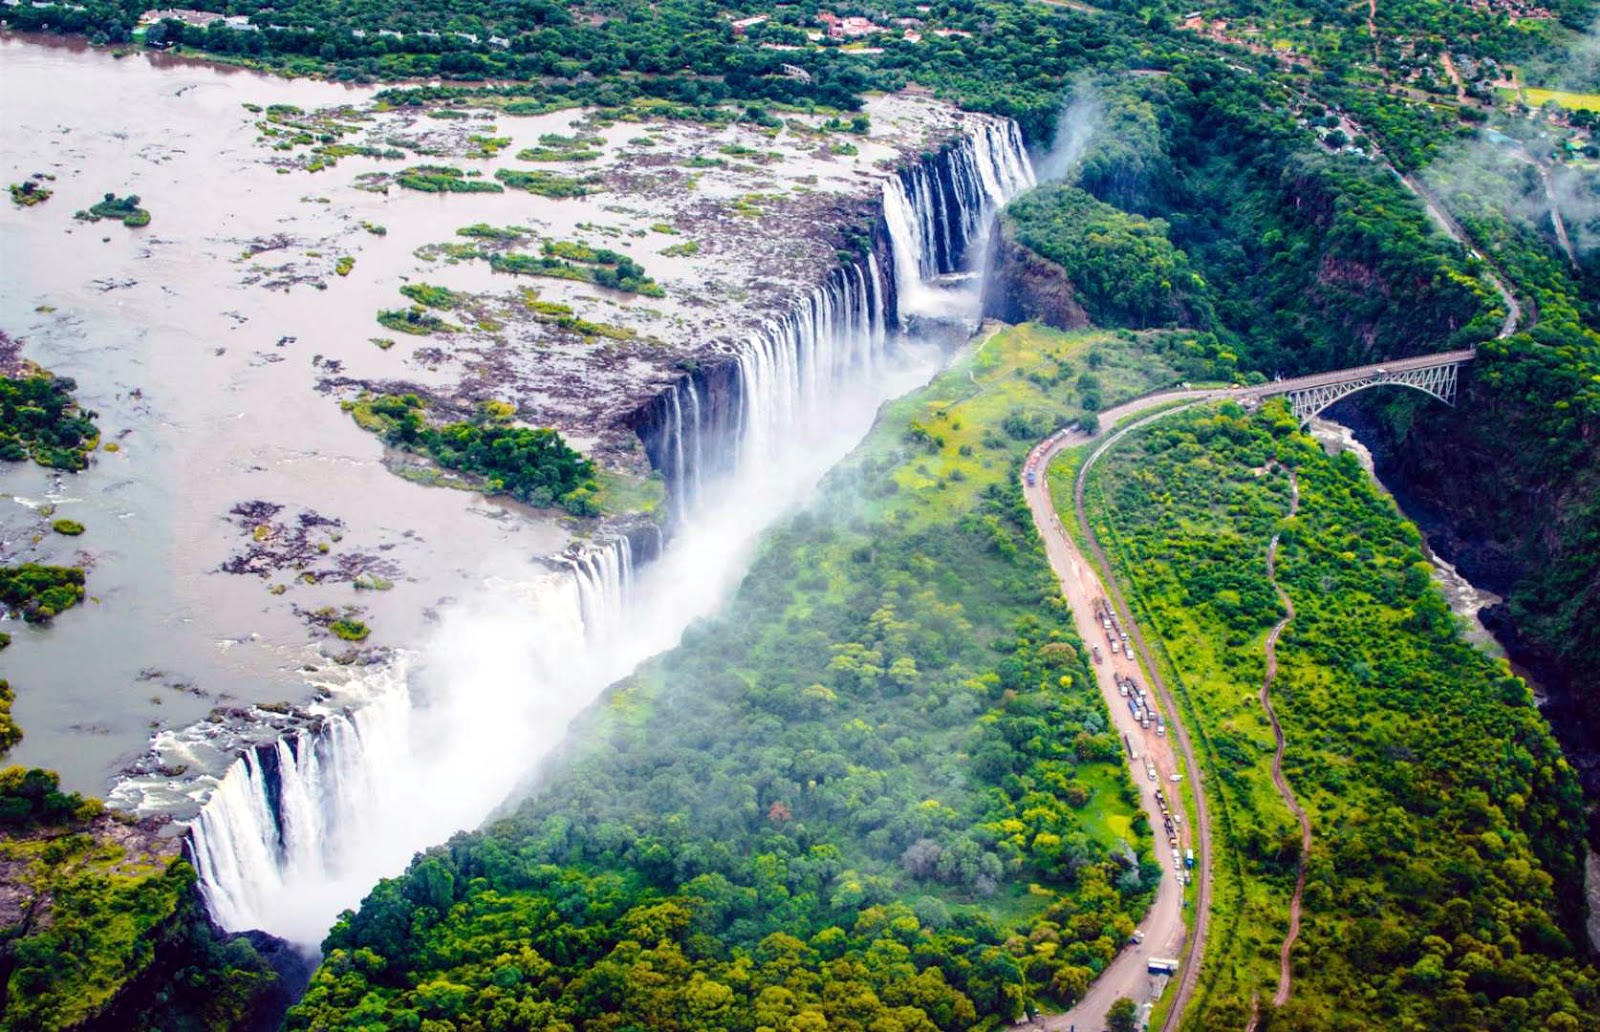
1434, 375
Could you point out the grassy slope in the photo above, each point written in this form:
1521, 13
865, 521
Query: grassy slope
761, 750
1442, 812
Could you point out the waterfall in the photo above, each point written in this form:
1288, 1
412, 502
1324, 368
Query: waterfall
300, 827
936, 214
295, 828
788, 370
936, 211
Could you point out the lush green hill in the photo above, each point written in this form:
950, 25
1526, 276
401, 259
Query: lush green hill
1122, 266
1446, 860
1317, 261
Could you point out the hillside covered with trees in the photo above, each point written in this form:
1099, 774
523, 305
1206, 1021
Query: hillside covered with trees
1431, 780
1315, 260
879, 792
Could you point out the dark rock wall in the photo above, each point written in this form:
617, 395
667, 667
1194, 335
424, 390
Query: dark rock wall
1023, 287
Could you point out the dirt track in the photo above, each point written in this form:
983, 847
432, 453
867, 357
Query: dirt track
1285, 972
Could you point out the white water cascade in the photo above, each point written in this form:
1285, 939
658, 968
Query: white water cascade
939, 209
301, 827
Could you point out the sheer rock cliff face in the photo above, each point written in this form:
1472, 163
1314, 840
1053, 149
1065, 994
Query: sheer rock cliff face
1023, 287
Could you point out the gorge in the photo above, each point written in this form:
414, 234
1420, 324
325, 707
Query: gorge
299, 827
516, 512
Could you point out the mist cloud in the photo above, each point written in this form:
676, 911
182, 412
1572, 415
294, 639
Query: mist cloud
1080, 118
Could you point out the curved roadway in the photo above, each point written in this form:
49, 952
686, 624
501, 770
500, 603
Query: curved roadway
1163, 930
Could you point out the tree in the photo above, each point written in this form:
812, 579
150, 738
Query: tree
1123, 1016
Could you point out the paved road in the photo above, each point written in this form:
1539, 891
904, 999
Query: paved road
1164, 934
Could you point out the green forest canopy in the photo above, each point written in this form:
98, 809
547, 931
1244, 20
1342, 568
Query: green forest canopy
1432, 781
881, 791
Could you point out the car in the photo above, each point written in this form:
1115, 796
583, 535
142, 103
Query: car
1138, 936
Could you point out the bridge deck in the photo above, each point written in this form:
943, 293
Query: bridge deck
1399, 365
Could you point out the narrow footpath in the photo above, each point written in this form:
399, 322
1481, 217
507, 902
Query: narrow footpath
1285, 970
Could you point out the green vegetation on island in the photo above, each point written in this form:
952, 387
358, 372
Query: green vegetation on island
564, 259
416, 320
484, 231
38, 593
547, 184
444, 179
348, 629
433, 297
124, 209
1432, 781
532, 465
30, 191
40, 419
556, 147
10, 730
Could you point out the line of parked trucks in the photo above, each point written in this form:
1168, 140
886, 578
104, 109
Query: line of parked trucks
1030, 470
1115, 635
1139, 704
1182, 862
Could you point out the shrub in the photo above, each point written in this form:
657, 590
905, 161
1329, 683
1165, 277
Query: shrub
348, 629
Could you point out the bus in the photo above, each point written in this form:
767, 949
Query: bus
1162, 966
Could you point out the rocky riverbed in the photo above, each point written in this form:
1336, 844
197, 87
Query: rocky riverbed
216, 341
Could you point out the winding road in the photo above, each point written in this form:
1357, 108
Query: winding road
1163, 929
1285, 971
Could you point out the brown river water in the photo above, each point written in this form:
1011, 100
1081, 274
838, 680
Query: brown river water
202, 348
207, 384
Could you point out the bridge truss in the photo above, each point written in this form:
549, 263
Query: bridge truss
1438, 381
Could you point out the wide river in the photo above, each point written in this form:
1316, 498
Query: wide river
207, 384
